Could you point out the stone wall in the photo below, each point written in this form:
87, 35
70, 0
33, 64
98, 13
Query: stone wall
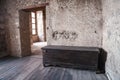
69, 22
74, 22
2, 28
111, 37
12, 23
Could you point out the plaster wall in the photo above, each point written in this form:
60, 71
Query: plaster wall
69, 22
74, 22
111, 37
12, 23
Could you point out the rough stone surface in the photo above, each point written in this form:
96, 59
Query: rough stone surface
77, 23
74, 22
2, 28
12, 23
111, 37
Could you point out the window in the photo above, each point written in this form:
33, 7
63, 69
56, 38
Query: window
34, 23
38, 25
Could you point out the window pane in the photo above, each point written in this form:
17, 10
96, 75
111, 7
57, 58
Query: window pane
33, 32
33, 20
33, 26
33, 14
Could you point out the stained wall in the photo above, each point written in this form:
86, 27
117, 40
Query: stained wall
13, 25
74, 22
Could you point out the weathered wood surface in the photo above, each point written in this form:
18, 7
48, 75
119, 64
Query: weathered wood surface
73, 57
31, 68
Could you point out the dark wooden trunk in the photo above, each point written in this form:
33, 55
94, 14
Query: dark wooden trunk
72, 57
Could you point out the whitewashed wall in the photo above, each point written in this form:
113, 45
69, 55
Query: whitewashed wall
74, 22
111, 37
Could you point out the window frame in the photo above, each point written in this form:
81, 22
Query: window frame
35, 23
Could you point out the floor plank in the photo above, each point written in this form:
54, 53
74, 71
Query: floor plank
31, 68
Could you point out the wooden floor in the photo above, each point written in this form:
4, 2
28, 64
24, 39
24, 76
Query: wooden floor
31, 68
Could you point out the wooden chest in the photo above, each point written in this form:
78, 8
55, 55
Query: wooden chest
71, 56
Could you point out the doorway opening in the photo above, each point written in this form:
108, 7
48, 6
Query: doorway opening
38, 31
32, 21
